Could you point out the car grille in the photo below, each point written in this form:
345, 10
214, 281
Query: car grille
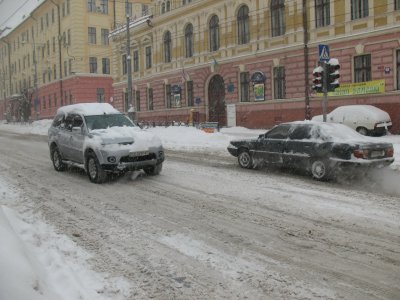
127, 159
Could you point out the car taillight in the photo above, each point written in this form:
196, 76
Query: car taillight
389, 152
360, 153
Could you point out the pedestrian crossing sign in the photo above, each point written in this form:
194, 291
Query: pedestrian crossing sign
323, 51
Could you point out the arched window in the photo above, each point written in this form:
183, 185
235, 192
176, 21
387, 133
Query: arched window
243, 25
189, 40
278, 17
163, 8
167, 47
168, 5
214, 33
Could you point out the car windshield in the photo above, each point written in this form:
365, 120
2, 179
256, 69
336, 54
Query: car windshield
105, 121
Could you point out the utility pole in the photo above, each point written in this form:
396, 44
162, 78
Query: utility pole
128, 56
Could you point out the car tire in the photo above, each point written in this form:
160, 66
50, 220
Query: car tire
94, 170
153, 170
57, 160
245, 160
320, 169
362, 130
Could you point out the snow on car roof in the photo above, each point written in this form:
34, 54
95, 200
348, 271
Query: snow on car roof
336, 132
88, 109
371, 110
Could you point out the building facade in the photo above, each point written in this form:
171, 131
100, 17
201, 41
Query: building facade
249, 62
59, 54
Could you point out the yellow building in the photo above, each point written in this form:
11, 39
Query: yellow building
59, 54
250, 62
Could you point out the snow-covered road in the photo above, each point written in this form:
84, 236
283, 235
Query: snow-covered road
206, 229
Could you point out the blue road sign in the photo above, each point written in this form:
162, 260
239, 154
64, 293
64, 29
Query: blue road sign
323, 51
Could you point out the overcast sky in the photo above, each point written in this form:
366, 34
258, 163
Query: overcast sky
13, 11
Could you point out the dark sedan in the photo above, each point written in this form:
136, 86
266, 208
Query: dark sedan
316, 147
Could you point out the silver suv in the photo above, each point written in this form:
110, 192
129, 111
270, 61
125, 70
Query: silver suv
99, 139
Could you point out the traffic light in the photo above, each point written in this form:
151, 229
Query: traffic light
317, 81
333, 74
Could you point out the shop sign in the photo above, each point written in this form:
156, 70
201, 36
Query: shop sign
359, 88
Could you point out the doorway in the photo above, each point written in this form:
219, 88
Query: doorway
216, 101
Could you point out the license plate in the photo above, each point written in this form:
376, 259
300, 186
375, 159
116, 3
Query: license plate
138, 153
379, 153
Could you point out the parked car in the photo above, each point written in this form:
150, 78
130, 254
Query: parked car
365, 119
99, 139
316, 147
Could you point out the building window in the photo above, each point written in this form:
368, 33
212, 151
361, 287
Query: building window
322, 13
150, 98
100, 95
148, 57
398, 69
92, 35
214, 33
49, 101
243, 25
44, 102
189, 93
278, 17
93, 64
136, 61
359, 9
70, 66
168, 96
52, 18
91, 5
124, 65
104, 36
189, 40
63, 9
55, 99
55, 71
397, 4
362, 68
244, 87
104, 6
137, 99
69, 37
106, 65
145, 10
68, 7
54, 44
279, 83
167, 47
65, 69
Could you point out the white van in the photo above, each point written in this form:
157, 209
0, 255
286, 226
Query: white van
365, 119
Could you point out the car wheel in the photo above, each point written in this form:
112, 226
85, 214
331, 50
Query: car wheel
320, 170
362, 130
94, 170
154, 170
245, 160
57, 160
